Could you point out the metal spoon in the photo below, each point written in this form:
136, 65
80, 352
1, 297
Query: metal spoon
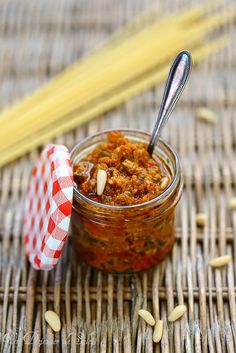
176, 81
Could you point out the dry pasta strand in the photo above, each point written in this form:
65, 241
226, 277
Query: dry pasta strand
131, 62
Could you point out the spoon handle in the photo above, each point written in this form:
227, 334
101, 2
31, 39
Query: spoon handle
176, 81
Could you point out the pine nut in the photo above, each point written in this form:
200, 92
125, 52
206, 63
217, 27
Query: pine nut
158, 331
206, 115
53, 320
220, 261
201, 219
164, 183
177, 313
101, 181
232, 203
147, 316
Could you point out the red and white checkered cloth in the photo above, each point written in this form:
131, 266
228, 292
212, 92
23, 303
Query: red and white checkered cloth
48, 207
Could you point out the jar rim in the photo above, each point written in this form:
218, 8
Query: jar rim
158, 198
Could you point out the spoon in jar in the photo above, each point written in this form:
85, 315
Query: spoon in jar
176, 81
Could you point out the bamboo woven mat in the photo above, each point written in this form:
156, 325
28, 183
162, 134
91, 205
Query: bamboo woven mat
99, 311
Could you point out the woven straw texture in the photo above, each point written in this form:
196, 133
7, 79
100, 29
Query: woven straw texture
99, 312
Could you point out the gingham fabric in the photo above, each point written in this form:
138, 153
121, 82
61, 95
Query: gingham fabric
48, 207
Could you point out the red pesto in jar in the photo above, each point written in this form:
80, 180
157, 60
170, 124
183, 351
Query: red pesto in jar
130, 241
133, 176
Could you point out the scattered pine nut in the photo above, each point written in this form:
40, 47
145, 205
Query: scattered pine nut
206, 115
201, 219
177, 313
232, 203
147, 316
164, 183
158, 331
220, 261
101, 181
53, 320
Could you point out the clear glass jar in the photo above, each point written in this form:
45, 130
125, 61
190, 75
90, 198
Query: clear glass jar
126, 239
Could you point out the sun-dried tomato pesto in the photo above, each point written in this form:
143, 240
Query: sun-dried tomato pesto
135, 235
133, 176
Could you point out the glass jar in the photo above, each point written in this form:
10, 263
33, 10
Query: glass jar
126, 239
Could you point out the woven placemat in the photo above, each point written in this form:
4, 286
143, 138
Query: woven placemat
99, 312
